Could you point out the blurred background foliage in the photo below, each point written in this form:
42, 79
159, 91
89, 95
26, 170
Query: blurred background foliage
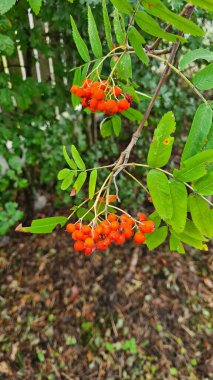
37, 118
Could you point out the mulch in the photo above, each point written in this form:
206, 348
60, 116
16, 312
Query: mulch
123, 314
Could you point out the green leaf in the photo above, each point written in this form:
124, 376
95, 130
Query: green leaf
158, 9
63, 173
68, 180
106, 127
179, 201
123, 6
77, 158
191, 236
69, 161
206, 4
119, 32
80, 44
155, 218
136, 40
116, 124
193, 55
132, 114
5, 5
96, 68
46, 225
6, 45
199, 131
107, 25
76, 80
92, 182
159, 189
203, 80
161, 146
80, 181
35, 5
124, 67
204, 185
150, 26
175, 244
202, 216
82, 211
157, 237
194, 167
93, 35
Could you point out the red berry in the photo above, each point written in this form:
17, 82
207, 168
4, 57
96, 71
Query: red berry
139, 238
114, 225
128, 232
116, 91
142, 217
98, 94
111, 217
79, 245
121, 239
111, 107
147, 226
87, 251
123, 105
70, 227
74, 89
89, 242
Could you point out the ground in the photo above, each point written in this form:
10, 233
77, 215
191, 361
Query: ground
122, 314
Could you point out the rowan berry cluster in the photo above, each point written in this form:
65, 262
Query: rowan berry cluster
115, 229
101, 96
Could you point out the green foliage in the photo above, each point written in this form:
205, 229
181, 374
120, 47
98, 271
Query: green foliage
159, 189
9, 216
158, 9
107, 25
93, 35
194, 167
46, 225
78, 81
35, 5
204, 78
92, 183
202, 216
179, 202
6, 45
199, 132
194, 55
150, 26
116, 125
191, 236
118, 28
157, 237
175, 244
206, 4
204, 185
79, 182
80, 44
6, 5
77, 158
136, 40
123, 6
161, 146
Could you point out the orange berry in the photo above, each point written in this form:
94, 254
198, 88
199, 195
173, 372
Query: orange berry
78, 226
70, 227
101, 106
98, 94
79, 245
115, 225
116, 91
104, 84
142, 217
114, 235
89, 242
123, 105
111, 217
93, 106
139, 238
147, 226
79, 235
128, 232
84, 102
111, 107
74, 89
87, 251
86, 229
79, 92
121, 239
98, 229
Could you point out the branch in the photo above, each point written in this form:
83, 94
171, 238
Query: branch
124, 157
